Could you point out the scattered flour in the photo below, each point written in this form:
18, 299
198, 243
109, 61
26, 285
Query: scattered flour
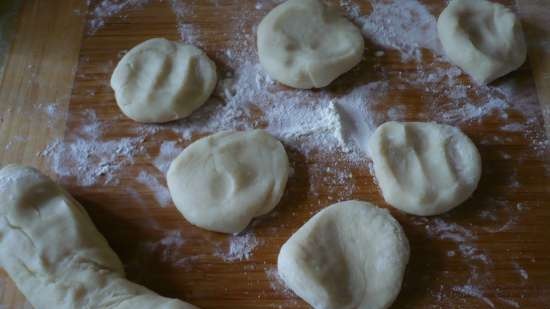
521, 271
403, 25
449, 231
476, 259
168, 152
169, 246
135, 196
100, 11
160, 192
241, 247
90, 159
52, 112
337, 183
172, 239
474, 291
464, 239
473, 253
276, 282
509, 302
15, 140
500, 216
188, 32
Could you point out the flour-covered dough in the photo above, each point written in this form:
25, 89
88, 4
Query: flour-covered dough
484, 38
351, 255
222, 181
160, 80
307, 44
424, 168
54, 254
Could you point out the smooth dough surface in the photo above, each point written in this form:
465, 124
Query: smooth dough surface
351, 255
160, 80
424, 168
307, 44
485, 39
53, 252
222, 181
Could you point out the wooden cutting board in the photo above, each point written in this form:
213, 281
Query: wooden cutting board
53, 58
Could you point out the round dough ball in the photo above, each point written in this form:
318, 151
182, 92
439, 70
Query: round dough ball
485, 39
306, 44
221, 182
351, 255
424, 168
160, 80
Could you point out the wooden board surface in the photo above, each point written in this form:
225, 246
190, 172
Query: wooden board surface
51, 51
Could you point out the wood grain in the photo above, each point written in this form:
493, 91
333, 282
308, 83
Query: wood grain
132, 226
535, 20
39, 69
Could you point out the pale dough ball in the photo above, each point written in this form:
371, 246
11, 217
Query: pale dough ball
53, 252
160, 80
222, 181
424, 168
485, 39
306, 44
351, 255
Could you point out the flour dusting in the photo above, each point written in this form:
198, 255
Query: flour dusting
160, 192
521, 271
509, 302
276, 282
478, 263
168, 152
169, 246
89, 158
449, 231
188, 32
474, 291
463, 237
101, 11
403, 25
241, 247
172, 238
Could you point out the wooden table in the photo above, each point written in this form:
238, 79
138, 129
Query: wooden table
52, 59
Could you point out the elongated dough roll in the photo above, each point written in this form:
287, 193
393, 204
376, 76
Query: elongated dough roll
53, 252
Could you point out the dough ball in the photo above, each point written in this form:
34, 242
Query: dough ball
351, 255
54, 253
221, 182
160, 80
485, 39
424, 168
306, 44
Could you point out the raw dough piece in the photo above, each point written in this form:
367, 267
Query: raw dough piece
53, 252
306, 44
483, 38
351, 255
424, 168
221, 182
160, 80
